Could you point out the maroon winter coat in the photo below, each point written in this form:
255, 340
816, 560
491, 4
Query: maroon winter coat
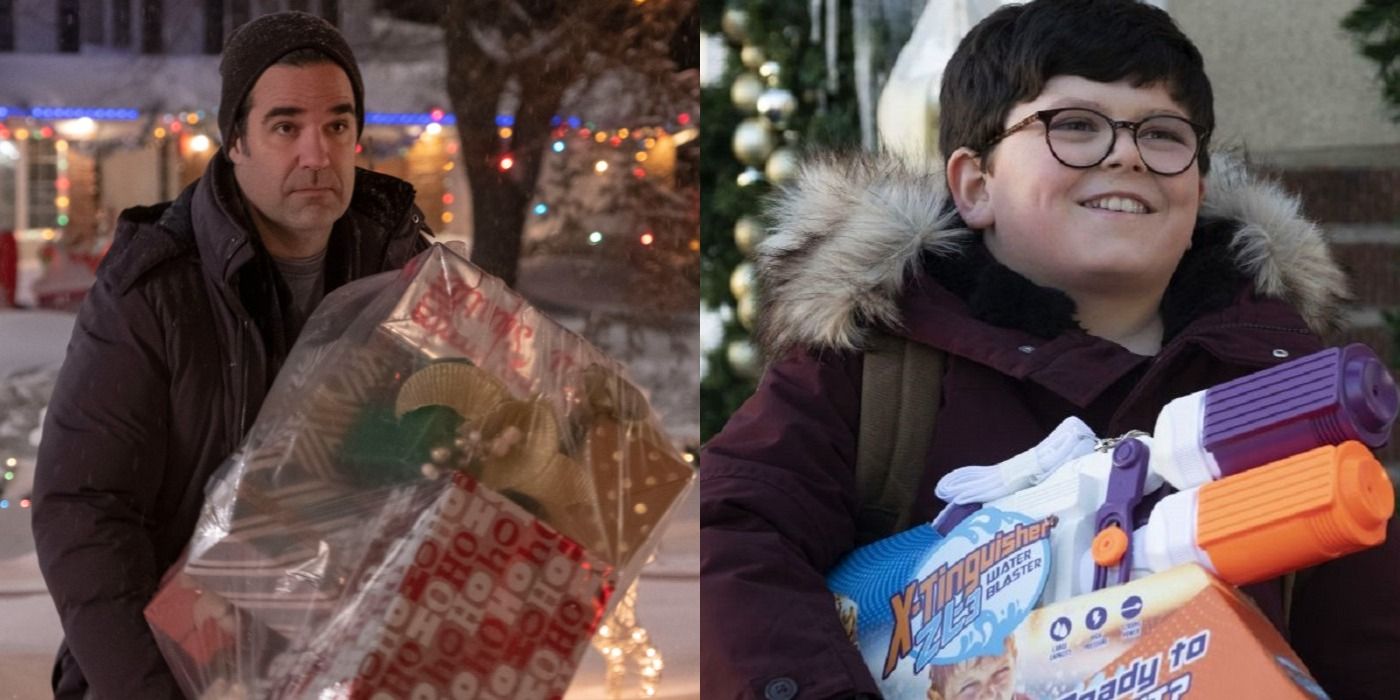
778, 494
172, 355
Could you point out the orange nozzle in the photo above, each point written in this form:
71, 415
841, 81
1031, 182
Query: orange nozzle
1294, 513
1109, 546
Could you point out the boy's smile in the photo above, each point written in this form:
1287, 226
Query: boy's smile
1113, 228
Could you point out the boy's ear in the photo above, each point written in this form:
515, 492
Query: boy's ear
968, 183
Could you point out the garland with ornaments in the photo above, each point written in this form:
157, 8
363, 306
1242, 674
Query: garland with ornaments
783, 90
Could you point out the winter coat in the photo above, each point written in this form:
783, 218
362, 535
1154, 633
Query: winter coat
866, 243
174, 350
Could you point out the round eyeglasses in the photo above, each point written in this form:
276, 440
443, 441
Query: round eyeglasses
1083, 138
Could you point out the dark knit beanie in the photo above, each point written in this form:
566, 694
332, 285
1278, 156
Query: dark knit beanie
260, 43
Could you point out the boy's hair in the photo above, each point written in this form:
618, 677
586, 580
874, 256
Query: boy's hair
1009, 56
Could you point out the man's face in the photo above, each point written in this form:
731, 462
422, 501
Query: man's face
1044, 224
295, 162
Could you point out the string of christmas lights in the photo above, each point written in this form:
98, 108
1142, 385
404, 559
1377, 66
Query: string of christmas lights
633, 144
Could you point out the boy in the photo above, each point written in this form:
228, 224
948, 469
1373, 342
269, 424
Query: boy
990, 677
1070, 258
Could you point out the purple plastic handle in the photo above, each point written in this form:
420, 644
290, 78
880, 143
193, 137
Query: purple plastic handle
1324, 398
1125, 484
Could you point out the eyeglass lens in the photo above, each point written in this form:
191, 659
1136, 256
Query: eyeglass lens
1081, 138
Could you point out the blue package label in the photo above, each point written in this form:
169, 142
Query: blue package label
917, 600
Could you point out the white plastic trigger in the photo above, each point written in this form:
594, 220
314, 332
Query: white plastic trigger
1070, 440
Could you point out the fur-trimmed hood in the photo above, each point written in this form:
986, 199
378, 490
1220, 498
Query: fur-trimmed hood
850, 233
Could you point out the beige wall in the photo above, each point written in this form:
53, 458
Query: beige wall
1290, 86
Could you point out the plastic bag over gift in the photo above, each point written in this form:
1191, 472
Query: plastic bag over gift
438, 498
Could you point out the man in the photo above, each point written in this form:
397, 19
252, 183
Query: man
193, 312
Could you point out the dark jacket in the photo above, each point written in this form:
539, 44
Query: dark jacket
172, 355
866, 243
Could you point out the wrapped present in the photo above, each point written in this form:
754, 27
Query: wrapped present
422, 416
480, 596
205, 631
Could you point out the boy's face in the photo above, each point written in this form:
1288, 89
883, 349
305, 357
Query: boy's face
991, 678
1037, 215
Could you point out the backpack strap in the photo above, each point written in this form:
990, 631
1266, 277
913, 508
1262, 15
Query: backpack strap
901, 388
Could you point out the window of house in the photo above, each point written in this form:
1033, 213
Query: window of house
94, 23
121, 23
43, 184
69, 28
7, 25
213, 26
152, 11
9, 167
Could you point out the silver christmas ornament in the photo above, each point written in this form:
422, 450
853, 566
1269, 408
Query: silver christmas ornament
748, 233
750, 176
782, 166
745, 91
772, 72
747, 310
742, 358
778, 105
735, 24
753, 141
741, 280
752, 57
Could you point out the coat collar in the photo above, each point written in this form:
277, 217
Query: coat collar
856, 240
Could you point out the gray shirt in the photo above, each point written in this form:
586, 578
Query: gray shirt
306, 278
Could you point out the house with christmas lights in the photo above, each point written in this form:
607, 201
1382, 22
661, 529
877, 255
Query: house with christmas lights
108, 104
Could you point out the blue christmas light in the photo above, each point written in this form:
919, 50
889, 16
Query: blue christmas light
505, 120
574, 122
558, 147
4, 503
112, 114
406, 118
541, 209
556, 120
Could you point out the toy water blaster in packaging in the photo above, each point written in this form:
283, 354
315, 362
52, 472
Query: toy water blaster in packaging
440, 495
1104, 569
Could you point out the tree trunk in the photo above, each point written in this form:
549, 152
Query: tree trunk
475, 85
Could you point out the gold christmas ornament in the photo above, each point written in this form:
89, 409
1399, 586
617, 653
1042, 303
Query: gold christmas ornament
742, 358
771, 72
747, 311
612, 395
745, 91
462, 387
748, 233
782, 166
753, 141
735, 24
778, 105
741, 280
750, 176
518, 437
752, 57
